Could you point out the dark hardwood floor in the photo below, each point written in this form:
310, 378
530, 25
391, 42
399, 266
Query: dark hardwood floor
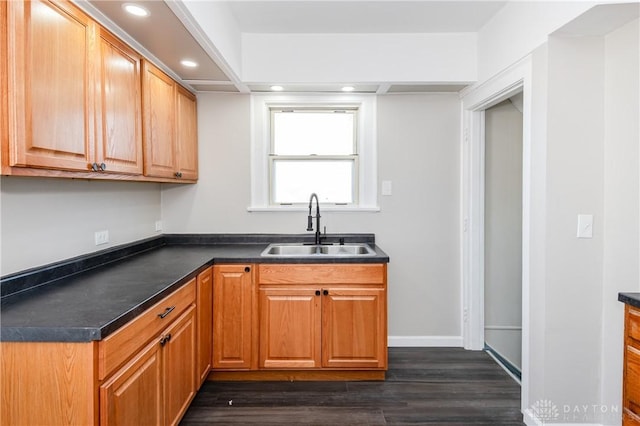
428, 386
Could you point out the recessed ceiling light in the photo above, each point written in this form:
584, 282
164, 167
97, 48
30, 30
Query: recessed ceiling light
277, 88
348, 89
189, 63
136, 10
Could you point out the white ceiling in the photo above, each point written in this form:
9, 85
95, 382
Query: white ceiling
164, 37
363, 16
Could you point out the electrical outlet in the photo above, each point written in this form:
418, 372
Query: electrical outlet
158, 225
101, 237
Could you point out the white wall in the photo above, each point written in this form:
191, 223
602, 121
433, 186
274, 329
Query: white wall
46, 220
575, 177
503, 232
621, 267
585, 145
320, 58
218, 23
518, 29
418, 150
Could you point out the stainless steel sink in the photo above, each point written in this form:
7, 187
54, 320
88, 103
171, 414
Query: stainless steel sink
304, 250
347, 250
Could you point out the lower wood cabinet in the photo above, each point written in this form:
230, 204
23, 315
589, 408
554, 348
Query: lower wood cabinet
323, 316
133, 395
145, 373
631, 379
354, 327
157, 385
204, 313
310, 317
290, 328
233, 316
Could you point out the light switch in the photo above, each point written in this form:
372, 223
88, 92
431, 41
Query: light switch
386, 187
585, 226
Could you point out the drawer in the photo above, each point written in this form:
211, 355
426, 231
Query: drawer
630, 419
344, 273
124, 343
633, 324
632, 380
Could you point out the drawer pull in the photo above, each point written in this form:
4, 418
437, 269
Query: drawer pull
166, 312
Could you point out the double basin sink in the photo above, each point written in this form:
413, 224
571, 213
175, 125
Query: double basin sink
309, 250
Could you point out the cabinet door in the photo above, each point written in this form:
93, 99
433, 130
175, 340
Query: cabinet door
290, 328
232, 316
204, 307
179, 366
133, 395
186, 134
158, 112
119, 132
354, 328
50, 80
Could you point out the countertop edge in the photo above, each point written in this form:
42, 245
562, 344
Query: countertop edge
632, 299
82, 334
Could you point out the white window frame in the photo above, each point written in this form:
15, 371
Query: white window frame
366, 179
353, 157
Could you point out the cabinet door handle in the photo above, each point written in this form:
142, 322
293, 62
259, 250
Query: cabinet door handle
325, 292
317, 292
166, 312
247, 269
165, 339
178, 174
103, 167
94, 167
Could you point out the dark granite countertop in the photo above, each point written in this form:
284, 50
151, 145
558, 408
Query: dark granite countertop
89, 297
632, 299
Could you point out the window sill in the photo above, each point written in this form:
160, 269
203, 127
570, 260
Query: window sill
358, 209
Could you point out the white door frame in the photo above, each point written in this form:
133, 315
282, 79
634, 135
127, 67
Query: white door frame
475, 100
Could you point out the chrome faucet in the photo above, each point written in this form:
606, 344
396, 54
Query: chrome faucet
310, 218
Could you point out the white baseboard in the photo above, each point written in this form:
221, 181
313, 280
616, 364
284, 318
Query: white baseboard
531, 420
425, 341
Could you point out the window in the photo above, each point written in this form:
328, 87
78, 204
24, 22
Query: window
313, 143
313, 150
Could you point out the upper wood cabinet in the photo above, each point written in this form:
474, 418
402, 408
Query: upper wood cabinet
119, 124
74, 99
50, 75
170, 133
186, 134
76, 92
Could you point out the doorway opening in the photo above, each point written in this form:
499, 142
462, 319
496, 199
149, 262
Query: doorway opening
503, 233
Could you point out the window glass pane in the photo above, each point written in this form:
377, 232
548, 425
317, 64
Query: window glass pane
313, 132
295, 180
